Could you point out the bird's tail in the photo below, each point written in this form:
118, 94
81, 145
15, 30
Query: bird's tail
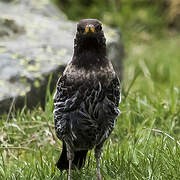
78, 162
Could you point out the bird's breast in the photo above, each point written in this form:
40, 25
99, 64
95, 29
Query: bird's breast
95, 73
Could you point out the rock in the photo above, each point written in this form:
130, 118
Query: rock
36, 40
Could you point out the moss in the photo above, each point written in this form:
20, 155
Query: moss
34, 67
36, 84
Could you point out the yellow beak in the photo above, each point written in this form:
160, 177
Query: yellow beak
89, 28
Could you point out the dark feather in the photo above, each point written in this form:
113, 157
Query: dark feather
78, 162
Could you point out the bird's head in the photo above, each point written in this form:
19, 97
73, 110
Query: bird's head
90, 36
89, 27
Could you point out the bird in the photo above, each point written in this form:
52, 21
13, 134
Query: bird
86, 99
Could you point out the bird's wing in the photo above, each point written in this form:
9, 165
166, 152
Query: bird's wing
85, 105
69, 108
113, 91
107, 110
65, 100
66, 95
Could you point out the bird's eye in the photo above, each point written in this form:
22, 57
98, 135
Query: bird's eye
80, 29
98, 28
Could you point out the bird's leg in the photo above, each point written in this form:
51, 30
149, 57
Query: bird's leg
69, 171
98, 156
70, 157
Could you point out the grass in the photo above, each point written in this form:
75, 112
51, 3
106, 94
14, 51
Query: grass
145, 143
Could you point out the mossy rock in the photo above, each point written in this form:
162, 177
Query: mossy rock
36, 40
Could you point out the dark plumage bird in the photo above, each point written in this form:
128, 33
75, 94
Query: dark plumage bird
86, 99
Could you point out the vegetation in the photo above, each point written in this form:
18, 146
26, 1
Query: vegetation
145, 143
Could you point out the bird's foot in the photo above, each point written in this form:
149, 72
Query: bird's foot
99, 177
69, 177
69, 171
